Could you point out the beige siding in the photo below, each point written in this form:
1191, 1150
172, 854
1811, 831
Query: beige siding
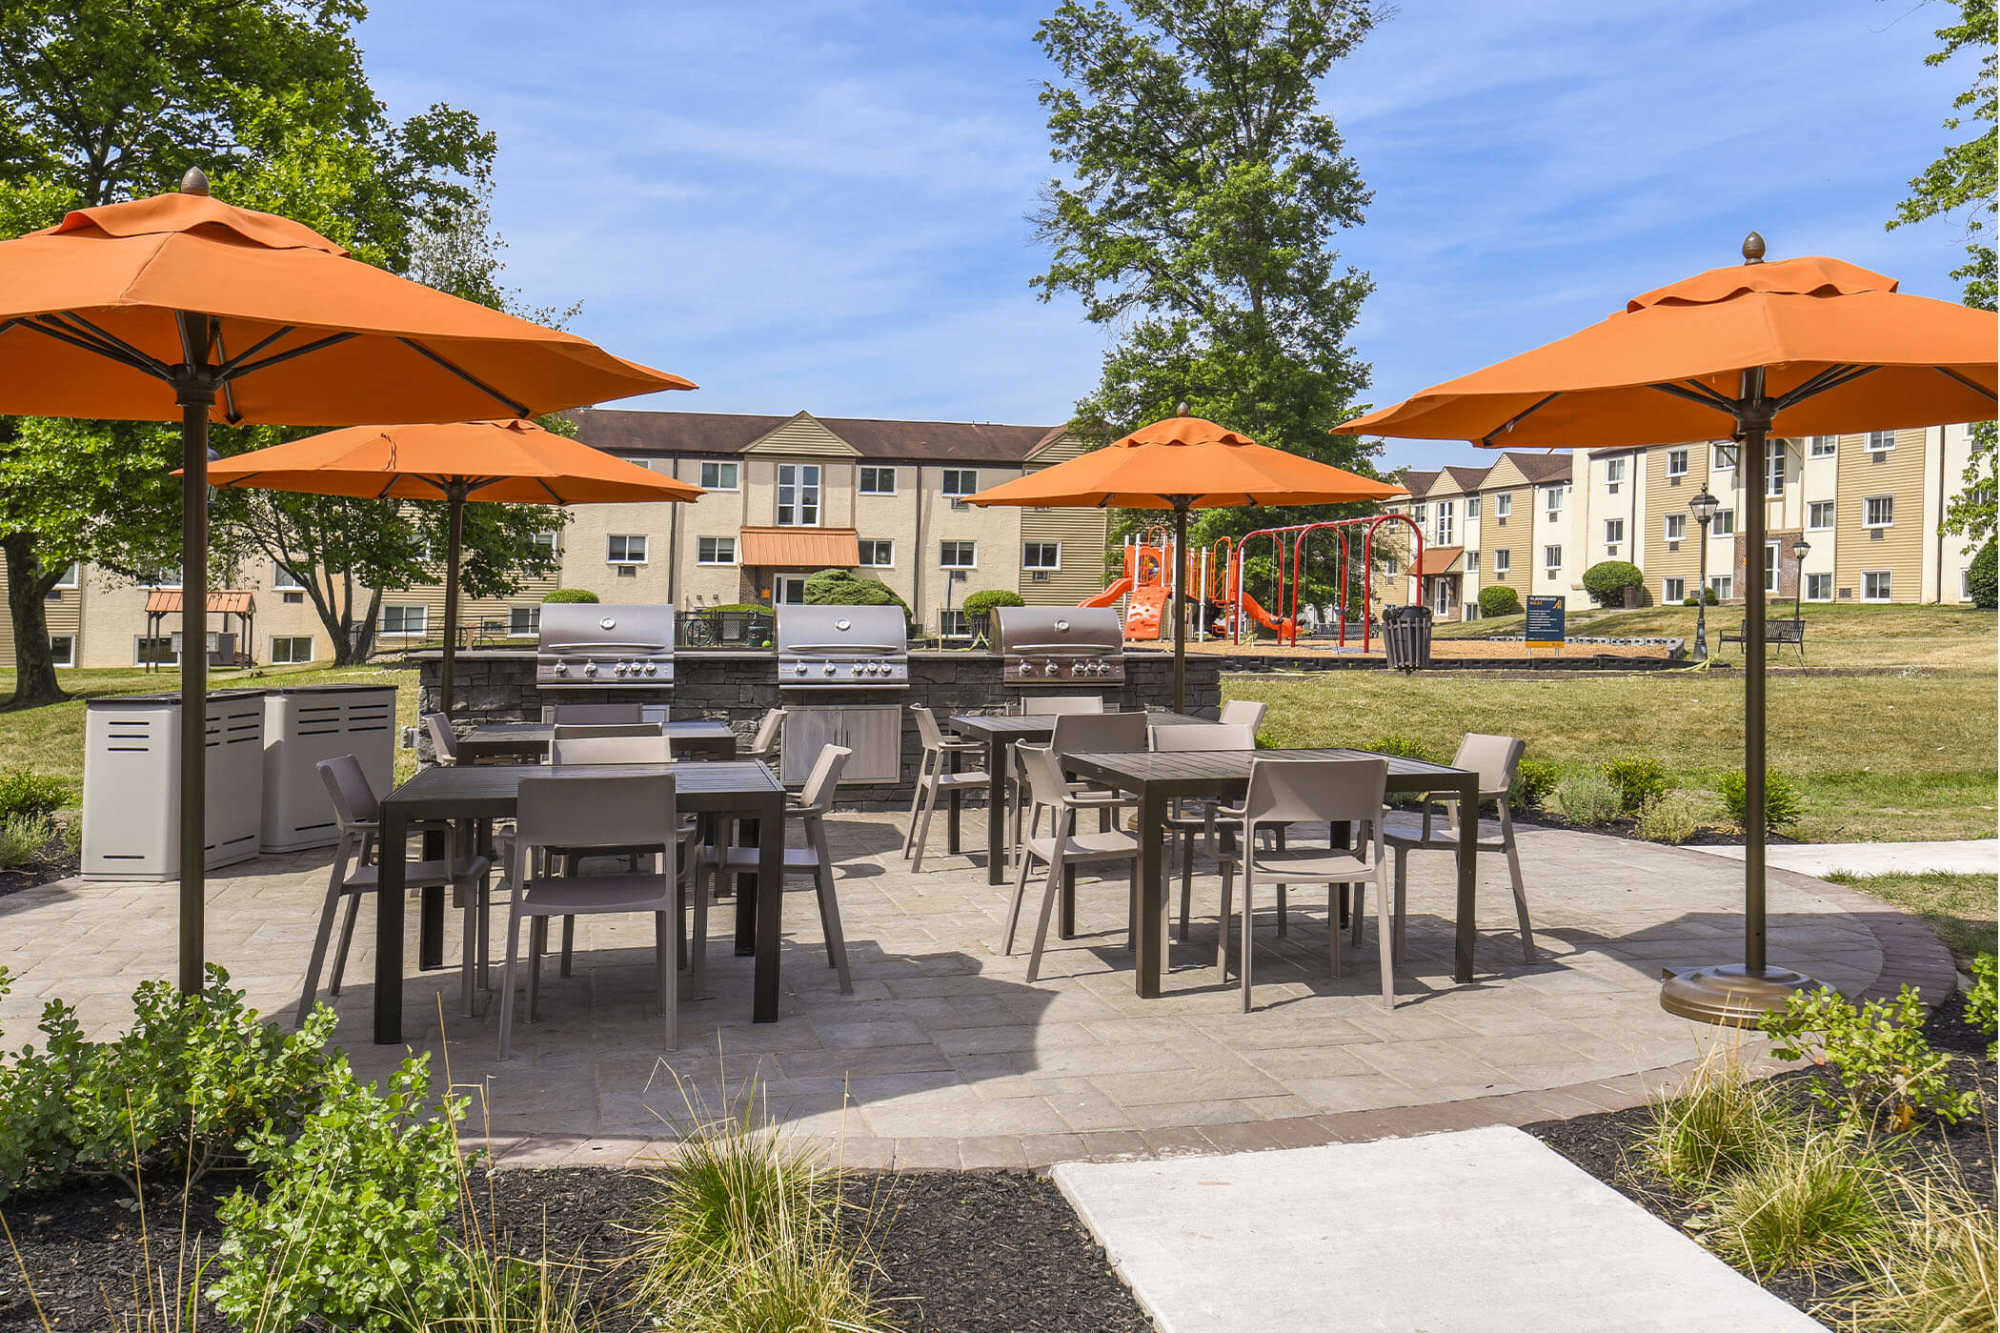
1899, 472
802, 436
1082, 533
1665, 495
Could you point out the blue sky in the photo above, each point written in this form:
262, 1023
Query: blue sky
824, 206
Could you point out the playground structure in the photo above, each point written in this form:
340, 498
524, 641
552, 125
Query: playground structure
1214, 576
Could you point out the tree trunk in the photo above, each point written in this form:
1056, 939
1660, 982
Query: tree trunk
27, 585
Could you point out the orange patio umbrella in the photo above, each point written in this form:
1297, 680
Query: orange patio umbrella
504, 462
1184, 463
179, 307
1756, 351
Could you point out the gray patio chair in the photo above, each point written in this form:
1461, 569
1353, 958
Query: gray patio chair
1496, 759
584, 731
1331, 791
645, 747
593, 714
765, 742
1062, 849
1079, 733
935, 780
1244, 713
1194, 818
594, 812
809, 807
1058, 705
358, 812
444, 741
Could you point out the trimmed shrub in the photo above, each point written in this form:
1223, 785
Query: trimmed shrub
571, 595
745, 607
24, 839
1607, 580
843, 587
1404, 747
1982, 577
24, 793
1669, 817
1534, 780
979, 603
1587, 798
1710, 596
1499, 600
1781, 799
1638, 781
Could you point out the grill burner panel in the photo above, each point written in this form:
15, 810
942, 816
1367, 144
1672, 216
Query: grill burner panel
1061, 645
595, 646
842, 647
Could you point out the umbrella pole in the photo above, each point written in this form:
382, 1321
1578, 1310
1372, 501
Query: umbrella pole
456, 503
196, 392
1181, 503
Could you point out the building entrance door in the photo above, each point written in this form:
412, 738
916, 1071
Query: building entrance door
788, 589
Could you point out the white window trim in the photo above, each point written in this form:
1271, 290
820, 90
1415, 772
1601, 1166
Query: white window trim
718, 488
1829, 507
277, 639
1774, 466
1827, 576
1668, 531
1723, 457
1870, 499
1874, 435
1888, 574
895, 486
1503, 506
799, 486
957, 497
645, 544
71, 578
1715, 528
1054, 568
1667, 592
1682, 470
1503, 562
958, 541
872, 542
1614, 470
1823, 446
138, 658
382, 625
715, 564
1614, 531
534, 620
1723, 585
69, 658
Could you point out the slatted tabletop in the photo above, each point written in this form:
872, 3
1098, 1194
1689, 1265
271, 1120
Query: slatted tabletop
494, 739
1202, 770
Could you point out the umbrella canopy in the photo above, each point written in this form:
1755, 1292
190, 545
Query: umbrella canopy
1184, 463
1801, 347
503, 462
179, 306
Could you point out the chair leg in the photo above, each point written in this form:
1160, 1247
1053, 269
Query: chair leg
507, 977
1243, 961
568, 942
538, 941
829, 907
1402, 905
346, 940
468, 946
916, 799
1050, 891
1187, 880
1020, 894
1514, 877
1385, 933
670, 986
1356, 895
923, 833
704, 882
321, 938
1222, 928
1333, 930
1282, 932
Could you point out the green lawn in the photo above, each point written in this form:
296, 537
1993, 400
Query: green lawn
1960, 908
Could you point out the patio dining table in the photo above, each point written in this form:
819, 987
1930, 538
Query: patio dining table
530, 740
1157, 779
1000, 730
480, 793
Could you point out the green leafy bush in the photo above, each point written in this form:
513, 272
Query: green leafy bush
1670, 817
189, 1078
1607, 580
1534, 781
1782, 804
843, 587
570, 595
1638, 781
35, 795
1499, 600
979, 603
24, 840
1982, 577
1982, 1010
1711, 597
1403, 747
352, 1226
1587, 798
745, 607
1889, 1074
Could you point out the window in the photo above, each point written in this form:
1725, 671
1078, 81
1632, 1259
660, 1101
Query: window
1725, 523
720, 476
1875, 585
1614, 473
955, 483
524, 622
162, 578
1447, 522
1552, 559
1472, 562
1503, 506
1722, 457
71, 576
1723, 586
1964, 587
1819, 587
1614, 531
1041, 555
877, 553
1881, 442
1825, 446
1391, 565
625, 548
1673, 590
715, 551
1819, 514
1677, 527
157, 651
878, 481
405, 619
1554, 499
1774, 468
62, 648
1420, 513
284, 578
789, 589
1677, 462
290, 649
1878, 511
545, 543
798, 495
1503, 562
1472, 507
958, 555
1771, 559
953, 624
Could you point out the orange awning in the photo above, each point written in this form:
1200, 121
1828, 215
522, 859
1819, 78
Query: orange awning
234, 602
801, 548
1440, 559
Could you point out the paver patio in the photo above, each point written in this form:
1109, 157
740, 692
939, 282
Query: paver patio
946, 1056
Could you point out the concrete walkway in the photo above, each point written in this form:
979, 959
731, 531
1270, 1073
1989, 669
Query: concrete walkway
1483, 1229
1977, 856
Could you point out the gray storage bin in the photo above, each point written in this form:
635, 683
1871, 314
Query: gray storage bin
131, 783
304, 725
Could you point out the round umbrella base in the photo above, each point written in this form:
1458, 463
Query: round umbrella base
1730, 995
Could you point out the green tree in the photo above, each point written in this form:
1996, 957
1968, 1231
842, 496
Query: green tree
1204, 191
1961, 182
102, 100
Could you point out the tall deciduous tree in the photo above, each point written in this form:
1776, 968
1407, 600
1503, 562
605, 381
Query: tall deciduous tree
1204, 189
1961, 183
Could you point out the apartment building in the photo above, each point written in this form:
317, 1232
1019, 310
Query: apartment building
787, 495
1867, 505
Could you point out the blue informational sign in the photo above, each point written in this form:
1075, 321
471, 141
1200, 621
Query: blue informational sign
1545, 622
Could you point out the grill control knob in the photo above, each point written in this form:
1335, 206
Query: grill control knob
652, 669
800, 669
1051, 669
827, 669
618, 670
590, 668
561, 669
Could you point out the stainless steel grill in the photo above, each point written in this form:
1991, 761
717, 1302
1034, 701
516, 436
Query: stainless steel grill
1061, 645
594, 645
843, 647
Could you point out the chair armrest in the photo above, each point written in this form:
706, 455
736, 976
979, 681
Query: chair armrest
1231, 812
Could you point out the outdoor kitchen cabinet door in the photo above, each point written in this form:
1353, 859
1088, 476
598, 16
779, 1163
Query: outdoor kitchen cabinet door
873, 731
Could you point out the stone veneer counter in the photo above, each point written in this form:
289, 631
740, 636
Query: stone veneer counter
737, 686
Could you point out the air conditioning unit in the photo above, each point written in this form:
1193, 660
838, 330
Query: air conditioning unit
1038, 575
628, 571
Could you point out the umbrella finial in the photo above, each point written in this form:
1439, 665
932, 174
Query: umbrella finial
1753, 249
195, 182
1181, 409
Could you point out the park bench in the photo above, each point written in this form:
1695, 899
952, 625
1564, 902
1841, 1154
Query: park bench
1777, 633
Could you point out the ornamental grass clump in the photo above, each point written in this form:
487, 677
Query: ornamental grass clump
1941, 1272
1587, 798
1672, 817
1719, 1124
1810, 1201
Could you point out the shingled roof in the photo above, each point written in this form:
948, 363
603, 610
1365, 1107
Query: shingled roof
1542, 467
1417, 482
635, 432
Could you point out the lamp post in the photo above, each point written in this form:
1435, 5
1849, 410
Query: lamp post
1800, 546
1703, 507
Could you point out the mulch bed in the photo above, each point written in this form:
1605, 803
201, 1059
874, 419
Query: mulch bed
996, 1252
1605, 1146
1625, 826
57, 863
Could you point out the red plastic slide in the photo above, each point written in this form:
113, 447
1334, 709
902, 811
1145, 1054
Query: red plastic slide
1109, 595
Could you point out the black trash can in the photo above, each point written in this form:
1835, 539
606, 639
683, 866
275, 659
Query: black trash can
1406, 637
